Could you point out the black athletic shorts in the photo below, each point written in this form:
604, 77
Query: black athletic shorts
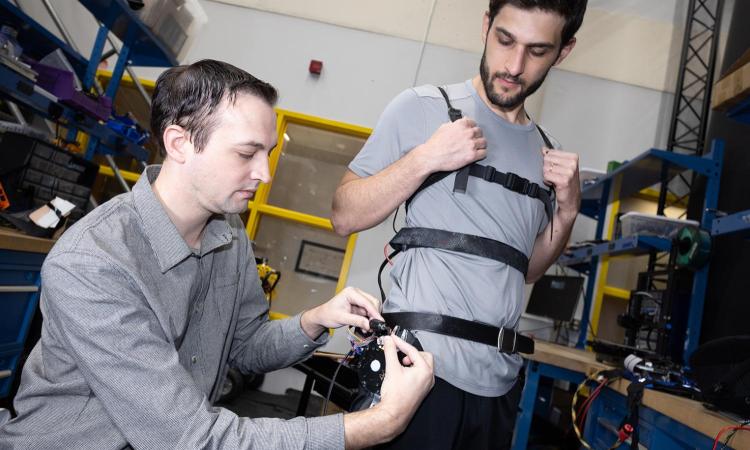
450, 418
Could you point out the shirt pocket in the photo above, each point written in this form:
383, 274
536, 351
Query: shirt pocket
224, 293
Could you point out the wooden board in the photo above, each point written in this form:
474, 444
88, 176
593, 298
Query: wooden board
15, 240
566, 357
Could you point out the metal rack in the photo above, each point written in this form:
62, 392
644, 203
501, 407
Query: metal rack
139, 47
641, 172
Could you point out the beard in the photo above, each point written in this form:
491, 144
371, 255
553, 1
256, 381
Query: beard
496, 98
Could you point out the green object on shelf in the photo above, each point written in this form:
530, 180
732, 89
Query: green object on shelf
613, 165
693, 247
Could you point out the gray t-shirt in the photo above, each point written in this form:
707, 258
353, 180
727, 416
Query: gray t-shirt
451, 283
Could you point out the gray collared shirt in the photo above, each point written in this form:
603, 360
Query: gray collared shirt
139, 331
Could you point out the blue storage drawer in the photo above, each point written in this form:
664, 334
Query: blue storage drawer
19, 297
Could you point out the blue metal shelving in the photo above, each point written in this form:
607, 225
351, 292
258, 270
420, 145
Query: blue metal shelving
144, 47
741, 112
631, 245
36, 40
734, 223
641, 172
22, 91
139, 47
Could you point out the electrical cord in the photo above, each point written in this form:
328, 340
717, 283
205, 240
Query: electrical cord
607, 377
734, 429
333, 381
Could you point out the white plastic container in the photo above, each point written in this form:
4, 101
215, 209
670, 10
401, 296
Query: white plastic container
175, 22
651, 225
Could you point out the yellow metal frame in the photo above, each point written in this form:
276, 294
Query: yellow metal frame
128, 176
149, 85
260, 206
601, 274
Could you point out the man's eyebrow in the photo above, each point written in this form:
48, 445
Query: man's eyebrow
545, 45
253, 144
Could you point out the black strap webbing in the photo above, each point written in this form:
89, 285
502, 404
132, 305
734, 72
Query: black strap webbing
462, 175
411, 237
514, 182
504, 339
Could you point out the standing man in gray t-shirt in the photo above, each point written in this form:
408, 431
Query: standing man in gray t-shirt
525, 224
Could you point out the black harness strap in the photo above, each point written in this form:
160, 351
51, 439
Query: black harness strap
465, 243
506, 340
413, 237
508, 180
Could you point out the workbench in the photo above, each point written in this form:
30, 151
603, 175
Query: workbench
666, 421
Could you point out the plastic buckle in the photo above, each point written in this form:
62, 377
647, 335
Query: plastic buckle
489, 173
533, 190
510, 181
501, 341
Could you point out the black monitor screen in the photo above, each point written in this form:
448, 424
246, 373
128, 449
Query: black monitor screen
555, 297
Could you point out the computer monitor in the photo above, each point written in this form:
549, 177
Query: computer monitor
555, 297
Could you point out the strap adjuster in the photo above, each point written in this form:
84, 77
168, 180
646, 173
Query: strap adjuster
533, 190
489, 173
502, 343
454, 114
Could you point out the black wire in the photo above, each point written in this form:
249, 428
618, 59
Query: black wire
333, 380
394, 219
731, 435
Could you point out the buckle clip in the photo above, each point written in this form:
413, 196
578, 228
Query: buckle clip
533, 190
489, 173
511, 181
501, 341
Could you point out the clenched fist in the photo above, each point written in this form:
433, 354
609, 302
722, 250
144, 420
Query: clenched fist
454, 145
561, 172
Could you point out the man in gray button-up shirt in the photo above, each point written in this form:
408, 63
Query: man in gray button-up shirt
152, 296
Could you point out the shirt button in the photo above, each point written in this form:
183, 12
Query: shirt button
306, 346
194, 359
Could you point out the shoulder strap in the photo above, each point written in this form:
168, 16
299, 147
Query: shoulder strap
454, 114
549, 207
546, 140
462, 176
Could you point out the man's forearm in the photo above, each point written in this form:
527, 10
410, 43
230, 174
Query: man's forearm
368, 428
362, 203
546, 250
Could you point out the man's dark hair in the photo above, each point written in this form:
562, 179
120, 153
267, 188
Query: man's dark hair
188, 96
571, 10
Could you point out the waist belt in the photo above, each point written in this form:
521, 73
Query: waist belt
504, 339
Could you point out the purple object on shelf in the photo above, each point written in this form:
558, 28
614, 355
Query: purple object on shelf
59, 82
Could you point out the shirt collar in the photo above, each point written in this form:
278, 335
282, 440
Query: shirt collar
167, 243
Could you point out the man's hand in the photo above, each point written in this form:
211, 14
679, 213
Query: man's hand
404, 388
351, 307
402, 392
454, 145
561, 172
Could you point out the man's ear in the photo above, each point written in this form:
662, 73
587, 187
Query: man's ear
177, 143
485, 26
565, 51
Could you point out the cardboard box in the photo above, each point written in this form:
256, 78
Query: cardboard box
734, 86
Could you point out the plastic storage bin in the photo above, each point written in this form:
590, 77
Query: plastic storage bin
652, 225
175, 22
